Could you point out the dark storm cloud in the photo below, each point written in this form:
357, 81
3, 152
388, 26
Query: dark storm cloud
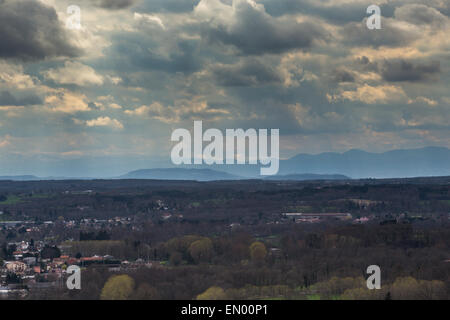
248, 73
7, 99
30, 30
134, 52
366, 64
115, 4
401, 70
254, 32
341, 75
176, 6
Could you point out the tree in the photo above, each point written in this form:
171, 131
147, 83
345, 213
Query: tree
364, 294
146, 292
213, 293
181, 244
102, 235
118, 288
50, 252
408, 288
175, 258
258, 251
201, 250
13, 278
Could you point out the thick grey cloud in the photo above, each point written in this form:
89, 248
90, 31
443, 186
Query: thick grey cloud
391, 35
338, 13
342, 75
393, 5
401, 70
177, 6
115, 4
420, 14
30, 30
134, 52
7, 99
231, 63
254, 32
247, 73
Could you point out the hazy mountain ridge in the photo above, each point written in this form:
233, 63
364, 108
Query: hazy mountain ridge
429, 161
179, 174
354, 164
20, 178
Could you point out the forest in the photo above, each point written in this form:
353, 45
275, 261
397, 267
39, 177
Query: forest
235, 240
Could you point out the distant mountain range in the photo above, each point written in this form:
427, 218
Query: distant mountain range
187, 174
358, 164
355, 164
430, 161
212, 175
179, 174
20, 178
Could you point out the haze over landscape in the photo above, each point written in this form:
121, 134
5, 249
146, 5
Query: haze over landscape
356, 164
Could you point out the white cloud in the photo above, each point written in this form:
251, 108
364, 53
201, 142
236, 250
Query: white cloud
115, 106
182, 110
12, 76
105, 122
148, 18
423, 100
62, 100
142, 110
74, 72
371, 94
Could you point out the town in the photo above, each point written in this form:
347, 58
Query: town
151, 230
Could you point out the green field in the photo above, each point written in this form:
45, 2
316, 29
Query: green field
11, 199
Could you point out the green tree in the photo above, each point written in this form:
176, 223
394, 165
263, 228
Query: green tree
408, 288
201, 250
364, 294
258, 251
50, 252
146, 292
181, 244
213, 293
118, 288
175, 258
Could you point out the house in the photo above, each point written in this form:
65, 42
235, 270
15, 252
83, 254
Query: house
4, 290
16, 266
94, 258
29, 260
307, 219
166, 216
18, 255
316, 217
361, 220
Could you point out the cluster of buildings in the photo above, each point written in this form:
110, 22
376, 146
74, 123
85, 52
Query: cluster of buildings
401, 218
299, 217
26, 269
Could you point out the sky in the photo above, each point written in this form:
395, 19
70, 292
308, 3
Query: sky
104, 99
